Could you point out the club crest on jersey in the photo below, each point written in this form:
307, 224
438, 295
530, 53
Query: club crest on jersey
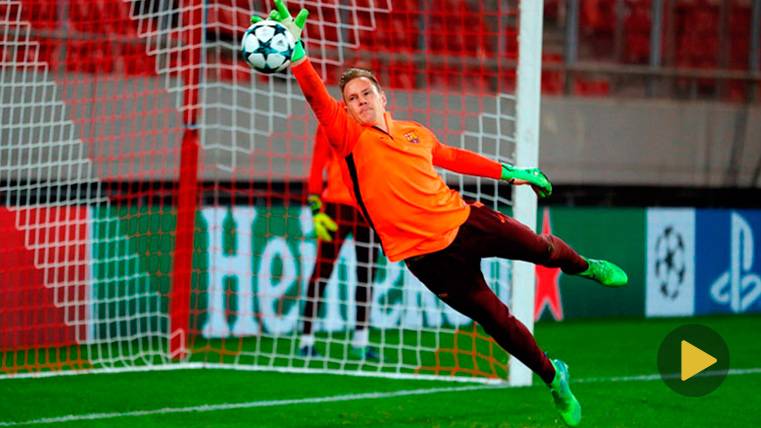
412, 137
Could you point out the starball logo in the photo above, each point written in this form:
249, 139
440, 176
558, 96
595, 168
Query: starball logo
670, 262
739, 286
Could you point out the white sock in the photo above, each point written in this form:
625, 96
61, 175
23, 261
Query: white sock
306, 340
361, 338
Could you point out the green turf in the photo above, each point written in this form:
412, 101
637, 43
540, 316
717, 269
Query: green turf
598, 350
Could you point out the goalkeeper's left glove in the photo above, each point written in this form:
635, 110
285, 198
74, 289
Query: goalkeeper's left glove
294, 26
532, 176
323, 224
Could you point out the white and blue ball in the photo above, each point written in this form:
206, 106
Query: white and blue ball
267, 47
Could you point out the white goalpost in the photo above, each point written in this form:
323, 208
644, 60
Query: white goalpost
528, 96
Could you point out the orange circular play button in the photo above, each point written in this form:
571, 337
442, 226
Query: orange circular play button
693, 360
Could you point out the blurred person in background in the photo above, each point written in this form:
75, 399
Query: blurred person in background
335, 215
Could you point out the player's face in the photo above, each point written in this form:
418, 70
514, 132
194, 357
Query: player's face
364, 102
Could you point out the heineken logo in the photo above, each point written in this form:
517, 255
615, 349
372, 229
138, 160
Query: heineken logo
258, 264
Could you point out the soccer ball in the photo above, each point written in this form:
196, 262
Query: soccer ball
267, 47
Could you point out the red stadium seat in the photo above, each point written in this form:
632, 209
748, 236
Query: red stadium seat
85, 16
10, 11
227, 19
478, 80
332, 73
552, 9
597, 29
402, 74
598, 16
394, 30
35, 55
323, 22
49, 52
116, 15
403, 34
509, 80
637, 32
739, 46
698, 40
457, 29
443, 37
136, 61
89, 57
511, 43
739, 35
697, 34
41, 51
42, 14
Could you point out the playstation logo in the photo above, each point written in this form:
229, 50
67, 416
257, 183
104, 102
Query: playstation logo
739, 287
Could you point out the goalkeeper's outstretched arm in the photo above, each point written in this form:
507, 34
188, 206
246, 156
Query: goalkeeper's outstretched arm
469, 163
341, 131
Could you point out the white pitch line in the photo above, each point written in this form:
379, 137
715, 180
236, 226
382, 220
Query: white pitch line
331, 399
248, 405
650, 377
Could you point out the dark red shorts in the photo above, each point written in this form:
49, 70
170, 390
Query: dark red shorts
489, 233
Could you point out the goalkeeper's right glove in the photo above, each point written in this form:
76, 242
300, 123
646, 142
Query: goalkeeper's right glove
294, 26
532, 176
323, 224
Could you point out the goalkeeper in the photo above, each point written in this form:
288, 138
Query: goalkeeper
335, 202
420, 220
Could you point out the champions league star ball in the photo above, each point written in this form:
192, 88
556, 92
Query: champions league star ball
670, 262
267, 47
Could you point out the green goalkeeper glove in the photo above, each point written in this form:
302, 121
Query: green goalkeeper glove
294, 26
323, 224
532, 176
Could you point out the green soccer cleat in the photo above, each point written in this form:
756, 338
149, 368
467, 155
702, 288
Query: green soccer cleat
565, 402
605, 272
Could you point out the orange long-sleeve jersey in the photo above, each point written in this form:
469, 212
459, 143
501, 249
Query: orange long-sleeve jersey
324, 157
393, 177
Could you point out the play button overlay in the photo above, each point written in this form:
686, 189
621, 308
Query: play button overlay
693, 360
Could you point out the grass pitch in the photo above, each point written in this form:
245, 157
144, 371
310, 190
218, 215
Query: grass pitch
612, 362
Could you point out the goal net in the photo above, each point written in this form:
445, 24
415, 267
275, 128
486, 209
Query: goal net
153, 187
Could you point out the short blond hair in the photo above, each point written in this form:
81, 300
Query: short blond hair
355, 73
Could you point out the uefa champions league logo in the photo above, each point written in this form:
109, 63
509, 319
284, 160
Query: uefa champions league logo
738, 287
670, 262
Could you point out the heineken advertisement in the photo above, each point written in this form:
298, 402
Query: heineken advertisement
251, 265
254, 265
